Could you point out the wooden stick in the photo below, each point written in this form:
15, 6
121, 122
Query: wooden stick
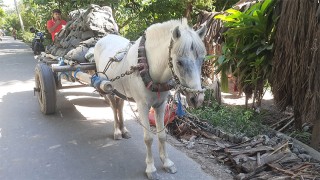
258, 159
250, 166
285, 126
256, 171
280, 147
249, 151
281, 170
209, 144
246, 144
281, 120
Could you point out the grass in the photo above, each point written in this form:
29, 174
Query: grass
232, 119
302, 136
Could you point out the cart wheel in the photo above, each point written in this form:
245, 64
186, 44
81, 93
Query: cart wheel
45, 88
57, 80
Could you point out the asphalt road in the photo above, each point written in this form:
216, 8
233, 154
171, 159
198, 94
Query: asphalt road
76, 142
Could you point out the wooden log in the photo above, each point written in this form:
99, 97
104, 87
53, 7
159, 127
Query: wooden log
250, 166
243, 176
281, 170
235, 152
248, 143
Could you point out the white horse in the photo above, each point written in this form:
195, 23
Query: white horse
173, 41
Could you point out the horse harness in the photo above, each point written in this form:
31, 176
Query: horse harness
143, 69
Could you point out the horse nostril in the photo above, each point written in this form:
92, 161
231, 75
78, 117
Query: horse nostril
193, 101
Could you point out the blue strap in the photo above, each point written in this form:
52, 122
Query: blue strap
95, 81
63, 73
180, 112
75, 73
61, 61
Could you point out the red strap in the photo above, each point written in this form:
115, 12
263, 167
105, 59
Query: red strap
158, 92
149, 85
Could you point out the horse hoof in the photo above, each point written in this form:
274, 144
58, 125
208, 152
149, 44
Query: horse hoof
117, 136
172, 169
126, 135
153, 175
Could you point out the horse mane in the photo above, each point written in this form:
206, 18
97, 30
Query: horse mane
162, 32
158, 37
165, 29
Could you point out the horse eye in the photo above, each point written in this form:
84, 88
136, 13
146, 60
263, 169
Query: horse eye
179, 63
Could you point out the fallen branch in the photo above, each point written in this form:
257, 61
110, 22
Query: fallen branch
209, 144
282, 146
243, 176
235, 152
250, 166
281, 170
242, 144
247, 144
285, 126
275, 125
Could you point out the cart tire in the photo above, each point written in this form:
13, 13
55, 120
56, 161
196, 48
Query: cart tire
57, 81
46, 88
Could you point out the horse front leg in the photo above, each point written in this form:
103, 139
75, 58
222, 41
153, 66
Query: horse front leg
151, 170
168, 165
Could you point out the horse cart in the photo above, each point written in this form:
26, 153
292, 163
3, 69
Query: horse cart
49, 73
168, 55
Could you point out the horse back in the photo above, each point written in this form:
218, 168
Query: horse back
107, 47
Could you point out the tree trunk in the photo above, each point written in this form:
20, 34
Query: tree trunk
297, 118
315, 139
188, 11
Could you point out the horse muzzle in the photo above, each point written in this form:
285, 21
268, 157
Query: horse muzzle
195, 99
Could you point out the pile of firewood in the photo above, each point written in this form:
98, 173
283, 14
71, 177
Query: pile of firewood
263, 157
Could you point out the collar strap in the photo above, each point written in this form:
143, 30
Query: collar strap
144, 70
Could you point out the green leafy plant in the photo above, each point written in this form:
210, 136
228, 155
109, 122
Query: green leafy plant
236, 120
302, 136
25, 36
247, 50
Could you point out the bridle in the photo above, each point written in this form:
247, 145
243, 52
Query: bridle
178, 85
173, 83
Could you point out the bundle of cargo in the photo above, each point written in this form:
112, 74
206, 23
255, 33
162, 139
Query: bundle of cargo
85, 28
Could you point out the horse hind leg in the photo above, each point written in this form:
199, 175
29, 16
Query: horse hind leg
113, 103
124, 131
168, 165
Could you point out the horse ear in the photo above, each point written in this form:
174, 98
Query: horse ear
202, 32
176, 34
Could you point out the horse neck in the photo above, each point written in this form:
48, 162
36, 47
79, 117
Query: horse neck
157, 49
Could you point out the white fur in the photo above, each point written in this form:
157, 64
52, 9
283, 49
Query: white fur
158, 38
